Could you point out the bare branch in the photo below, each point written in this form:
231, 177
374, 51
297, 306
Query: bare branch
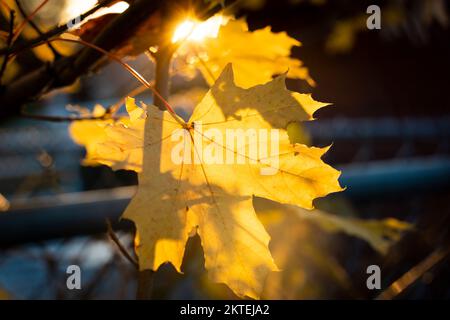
35, 27
406, 280
8, 43
65, 71
113, 237
56, 31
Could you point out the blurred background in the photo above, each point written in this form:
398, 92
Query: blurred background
389, 125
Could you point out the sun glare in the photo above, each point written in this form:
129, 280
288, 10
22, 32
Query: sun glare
117, 8
75, 8
196, 31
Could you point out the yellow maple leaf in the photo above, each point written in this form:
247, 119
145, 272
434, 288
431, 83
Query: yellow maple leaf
183, 191
262, 50
89, 133
200, 176
115, 143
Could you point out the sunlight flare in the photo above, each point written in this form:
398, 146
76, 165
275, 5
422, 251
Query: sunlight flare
196, 31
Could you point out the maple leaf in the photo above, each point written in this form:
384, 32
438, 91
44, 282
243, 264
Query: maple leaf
270, 55
115, 143
379, 234
89, 133
175, 200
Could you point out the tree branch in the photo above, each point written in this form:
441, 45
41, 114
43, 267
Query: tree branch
56, 54
65, 71
112, 235
20, 46
407, 279
8, 43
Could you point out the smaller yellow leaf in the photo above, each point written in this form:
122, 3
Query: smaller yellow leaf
89, 133
115, 143
380, 234
256, 56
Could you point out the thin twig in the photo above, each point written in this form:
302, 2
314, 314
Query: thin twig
413, 275
8, 43
5, 5
65, 71
113, 237
27, 18
35, 27
47, 118
136, 74
110, 113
